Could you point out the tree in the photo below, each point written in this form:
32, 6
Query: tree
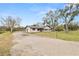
46, 21
51, 19
74, 11
10, 22
18, 21
68, 14
73, 26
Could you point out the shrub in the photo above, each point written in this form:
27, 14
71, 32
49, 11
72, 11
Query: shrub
59, 28
73, 26
19, 29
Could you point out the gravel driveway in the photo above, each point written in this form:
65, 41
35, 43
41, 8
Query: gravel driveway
33, 45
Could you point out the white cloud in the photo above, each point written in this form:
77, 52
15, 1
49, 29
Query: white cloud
43, 12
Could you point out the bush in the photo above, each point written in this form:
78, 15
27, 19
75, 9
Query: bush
59, 28
3, 29
18, 29
73, 26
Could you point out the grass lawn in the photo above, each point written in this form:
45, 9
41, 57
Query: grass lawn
71, 36
5, 43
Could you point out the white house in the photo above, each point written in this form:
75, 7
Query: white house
35, 28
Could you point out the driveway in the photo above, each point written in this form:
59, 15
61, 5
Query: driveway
25, 44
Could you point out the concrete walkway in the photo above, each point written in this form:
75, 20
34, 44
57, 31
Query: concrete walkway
32, 45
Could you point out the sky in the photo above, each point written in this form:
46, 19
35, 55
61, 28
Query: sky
30, 13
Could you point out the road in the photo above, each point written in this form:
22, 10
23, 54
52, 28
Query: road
33, 45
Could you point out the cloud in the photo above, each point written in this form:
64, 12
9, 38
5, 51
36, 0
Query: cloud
46, 10
43, 12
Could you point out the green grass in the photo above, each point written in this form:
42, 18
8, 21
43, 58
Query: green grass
5, 43
71, 36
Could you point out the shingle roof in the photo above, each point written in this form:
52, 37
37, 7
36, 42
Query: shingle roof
37, 27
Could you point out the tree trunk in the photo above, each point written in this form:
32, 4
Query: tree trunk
11, 30
53, 24
66, 26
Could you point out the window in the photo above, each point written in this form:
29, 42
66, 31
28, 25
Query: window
33, 28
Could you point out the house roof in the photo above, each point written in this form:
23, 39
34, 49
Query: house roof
47, 27
37, 27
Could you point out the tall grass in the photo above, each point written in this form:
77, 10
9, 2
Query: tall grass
71, 36
5, 43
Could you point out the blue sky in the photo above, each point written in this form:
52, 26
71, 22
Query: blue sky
29, 12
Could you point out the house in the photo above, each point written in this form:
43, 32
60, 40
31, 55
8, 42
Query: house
36, 28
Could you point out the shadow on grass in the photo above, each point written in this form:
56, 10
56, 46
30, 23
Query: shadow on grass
2, 32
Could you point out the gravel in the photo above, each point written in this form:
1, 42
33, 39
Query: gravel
33, 45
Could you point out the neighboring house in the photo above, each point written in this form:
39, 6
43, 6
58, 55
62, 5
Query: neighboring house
35, 28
